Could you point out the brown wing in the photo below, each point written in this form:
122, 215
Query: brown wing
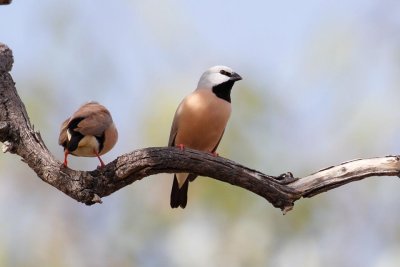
216, 146
94, 124
96, 119
172, 135
174, 128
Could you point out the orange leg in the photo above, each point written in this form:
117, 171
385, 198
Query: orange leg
101, 161
66, 152
181, 146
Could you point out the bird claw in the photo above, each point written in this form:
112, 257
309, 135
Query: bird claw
181, 146
101, 166
215, 154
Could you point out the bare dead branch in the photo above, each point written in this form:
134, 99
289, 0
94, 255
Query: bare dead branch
89, 187
5, 2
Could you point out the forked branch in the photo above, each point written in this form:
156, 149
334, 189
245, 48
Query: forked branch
18, 137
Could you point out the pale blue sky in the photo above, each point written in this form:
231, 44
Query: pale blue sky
324, 75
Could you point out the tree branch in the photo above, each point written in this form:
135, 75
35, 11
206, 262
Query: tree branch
19, 137
5, 2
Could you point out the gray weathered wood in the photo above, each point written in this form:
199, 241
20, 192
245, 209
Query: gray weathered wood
18, 137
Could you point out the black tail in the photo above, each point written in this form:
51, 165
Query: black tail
179, 195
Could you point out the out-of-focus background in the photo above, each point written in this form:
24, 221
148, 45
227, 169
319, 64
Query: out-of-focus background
321, 86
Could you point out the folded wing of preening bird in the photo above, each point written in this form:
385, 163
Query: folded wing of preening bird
200, 122
89, 132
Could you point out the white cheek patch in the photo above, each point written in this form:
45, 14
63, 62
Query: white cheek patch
209, 80
218, 78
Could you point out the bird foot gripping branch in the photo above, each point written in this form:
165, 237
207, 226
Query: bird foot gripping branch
181, 146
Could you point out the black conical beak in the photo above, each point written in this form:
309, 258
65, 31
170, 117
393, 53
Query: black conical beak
235, 77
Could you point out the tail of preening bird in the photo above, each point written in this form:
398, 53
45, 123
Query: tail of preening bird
179, 195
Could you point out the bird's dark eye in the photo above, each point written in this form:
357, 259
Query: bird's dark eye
224, 72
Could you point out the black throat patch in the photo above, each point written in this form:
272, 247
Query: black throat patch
76, 137
223, 90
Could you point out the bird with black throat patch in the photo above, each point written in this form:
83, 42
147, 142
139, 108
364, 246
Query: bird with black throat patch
89, 132
200, 122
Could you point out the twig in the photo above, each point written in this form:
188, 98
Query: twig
5, 2
89, 187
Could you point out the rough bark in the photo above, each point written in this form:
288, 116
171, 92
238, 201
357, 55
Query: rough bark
5, 2
19, 137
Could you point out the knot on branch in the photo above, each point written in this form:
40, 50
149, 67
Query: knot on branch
4, 137
4, 130
6, 58
7, 147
